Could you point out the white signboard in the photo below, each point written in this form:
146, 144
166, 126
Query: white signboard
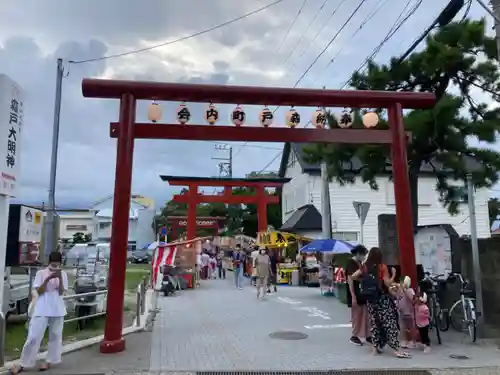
11, 123
30, 225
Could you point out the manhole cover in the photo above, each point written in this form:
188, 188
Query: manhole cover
288, 335
459, 356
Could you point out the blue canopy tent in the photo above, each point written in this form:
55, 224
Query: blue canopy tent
329, 245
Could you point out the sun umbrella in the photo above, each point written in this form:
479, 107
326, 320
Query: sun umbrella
329, 245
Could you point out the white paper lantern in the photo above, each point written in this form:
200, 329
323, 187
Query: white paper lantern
266, 117
345, 119
154, 112
183, 114
292, 118
211, 114
238, 116
370, 119
319, 118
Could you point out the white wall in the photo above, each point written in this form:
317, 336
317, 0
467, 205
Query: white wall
296, 192
431, 211
304, 189
69, 225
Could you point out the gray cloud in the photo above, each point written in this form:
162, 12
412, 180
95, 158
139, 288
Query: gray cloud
34, 34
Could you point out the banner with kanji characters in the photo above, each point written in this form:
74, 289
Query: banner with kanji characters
11, 124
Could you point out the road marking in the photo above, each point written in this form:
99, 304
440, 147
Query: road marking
314, 312
289, 301
329, 326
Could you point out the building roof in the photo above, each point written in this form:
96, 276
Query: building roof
352, 166
224, 179
304, 218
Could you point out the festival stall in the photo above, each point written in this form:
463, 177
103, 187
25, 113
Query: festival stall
182, 255
329, 274
286, 245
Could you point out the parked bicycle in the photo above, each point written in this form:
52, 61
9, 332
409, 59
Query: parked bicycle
462, 315
432, 286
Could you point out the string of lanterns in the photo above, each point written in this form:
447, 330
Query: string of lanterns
266, 116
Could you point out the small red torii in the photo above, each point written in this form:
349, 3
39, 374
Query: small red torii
193, 197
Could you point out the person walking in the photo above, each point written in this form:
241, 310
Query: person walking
263, 267
375, 287
49, 311
221, 265
253, 256
273, 277
238, 264
355, 301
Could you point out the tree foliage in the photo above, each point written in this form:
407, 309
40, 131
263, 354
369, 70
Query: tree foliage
459, 65
493, 209
240, 219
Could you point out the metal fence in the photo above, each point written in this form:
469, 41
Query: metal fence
140, 309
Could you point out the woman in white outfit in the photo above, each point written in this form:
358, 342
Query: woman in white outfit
49, 311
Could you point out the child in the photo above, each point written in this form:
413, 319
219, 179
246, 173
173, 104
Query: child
213, 267
407, 314
422, 319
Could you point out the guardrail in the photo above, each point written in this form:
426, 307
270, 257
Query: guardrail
140, 309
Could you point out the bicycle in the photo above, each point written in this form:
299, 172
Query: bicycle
438, 316
462, 315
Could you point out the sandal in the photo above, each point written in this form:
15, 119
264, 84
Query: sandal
16, 370
403, 355
44, 367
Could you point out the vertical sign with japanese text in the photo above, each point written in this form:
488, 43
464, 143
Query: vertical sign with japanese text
11, 123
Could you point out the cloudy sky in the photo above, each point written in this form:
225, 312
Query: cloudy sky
253, 51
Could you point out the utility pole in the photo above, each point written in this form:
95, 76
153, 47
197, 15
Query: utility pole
476, 266
51, 203
226, 162
443, 19
495, 13
326, 208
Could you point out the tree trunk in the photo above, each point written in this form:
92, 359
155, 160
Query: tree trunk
413, 177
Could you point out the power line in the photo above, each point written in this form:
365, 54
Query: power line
330, 42
322, 28
305, 32
318, 57
271, 162
394, 29
213, 28
292, 24
377, 8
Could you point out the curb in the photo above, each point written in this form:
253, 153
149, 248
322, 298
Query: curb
145, 319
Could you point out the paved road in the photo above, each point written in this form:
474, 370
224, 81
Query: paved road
219, 328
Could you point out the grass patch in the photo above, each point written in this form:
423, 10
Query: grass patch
135, 274
16, 332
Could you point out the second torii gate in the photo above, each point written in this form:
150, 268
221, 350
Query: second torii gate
193, 197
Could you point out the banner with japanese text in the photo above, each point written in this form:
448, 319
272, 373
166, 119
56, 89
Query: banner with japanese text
11, 123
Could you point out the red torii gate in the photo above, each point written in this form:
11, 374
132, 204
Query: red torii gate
193, 197
127, 130
175, 223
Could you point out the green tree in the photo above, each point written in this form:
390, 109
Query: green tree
79, 237
240, 218
458, 65
493, 209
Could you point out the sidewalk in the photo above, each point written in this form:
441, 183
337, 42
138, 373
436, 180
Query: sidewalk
220, 328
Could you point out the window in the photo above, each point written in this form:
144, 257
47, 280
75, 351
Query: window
82, 228
104, 225
346, 236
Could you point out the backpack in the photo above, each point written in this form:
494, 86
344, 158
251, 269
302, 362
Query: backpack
369, 285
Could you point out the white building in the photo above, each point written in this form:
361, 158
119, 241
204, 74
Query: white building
141, 216
75, 222
305, 189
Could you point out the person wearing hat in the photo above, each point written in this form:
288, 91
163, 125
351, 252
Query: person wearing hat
359, 310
